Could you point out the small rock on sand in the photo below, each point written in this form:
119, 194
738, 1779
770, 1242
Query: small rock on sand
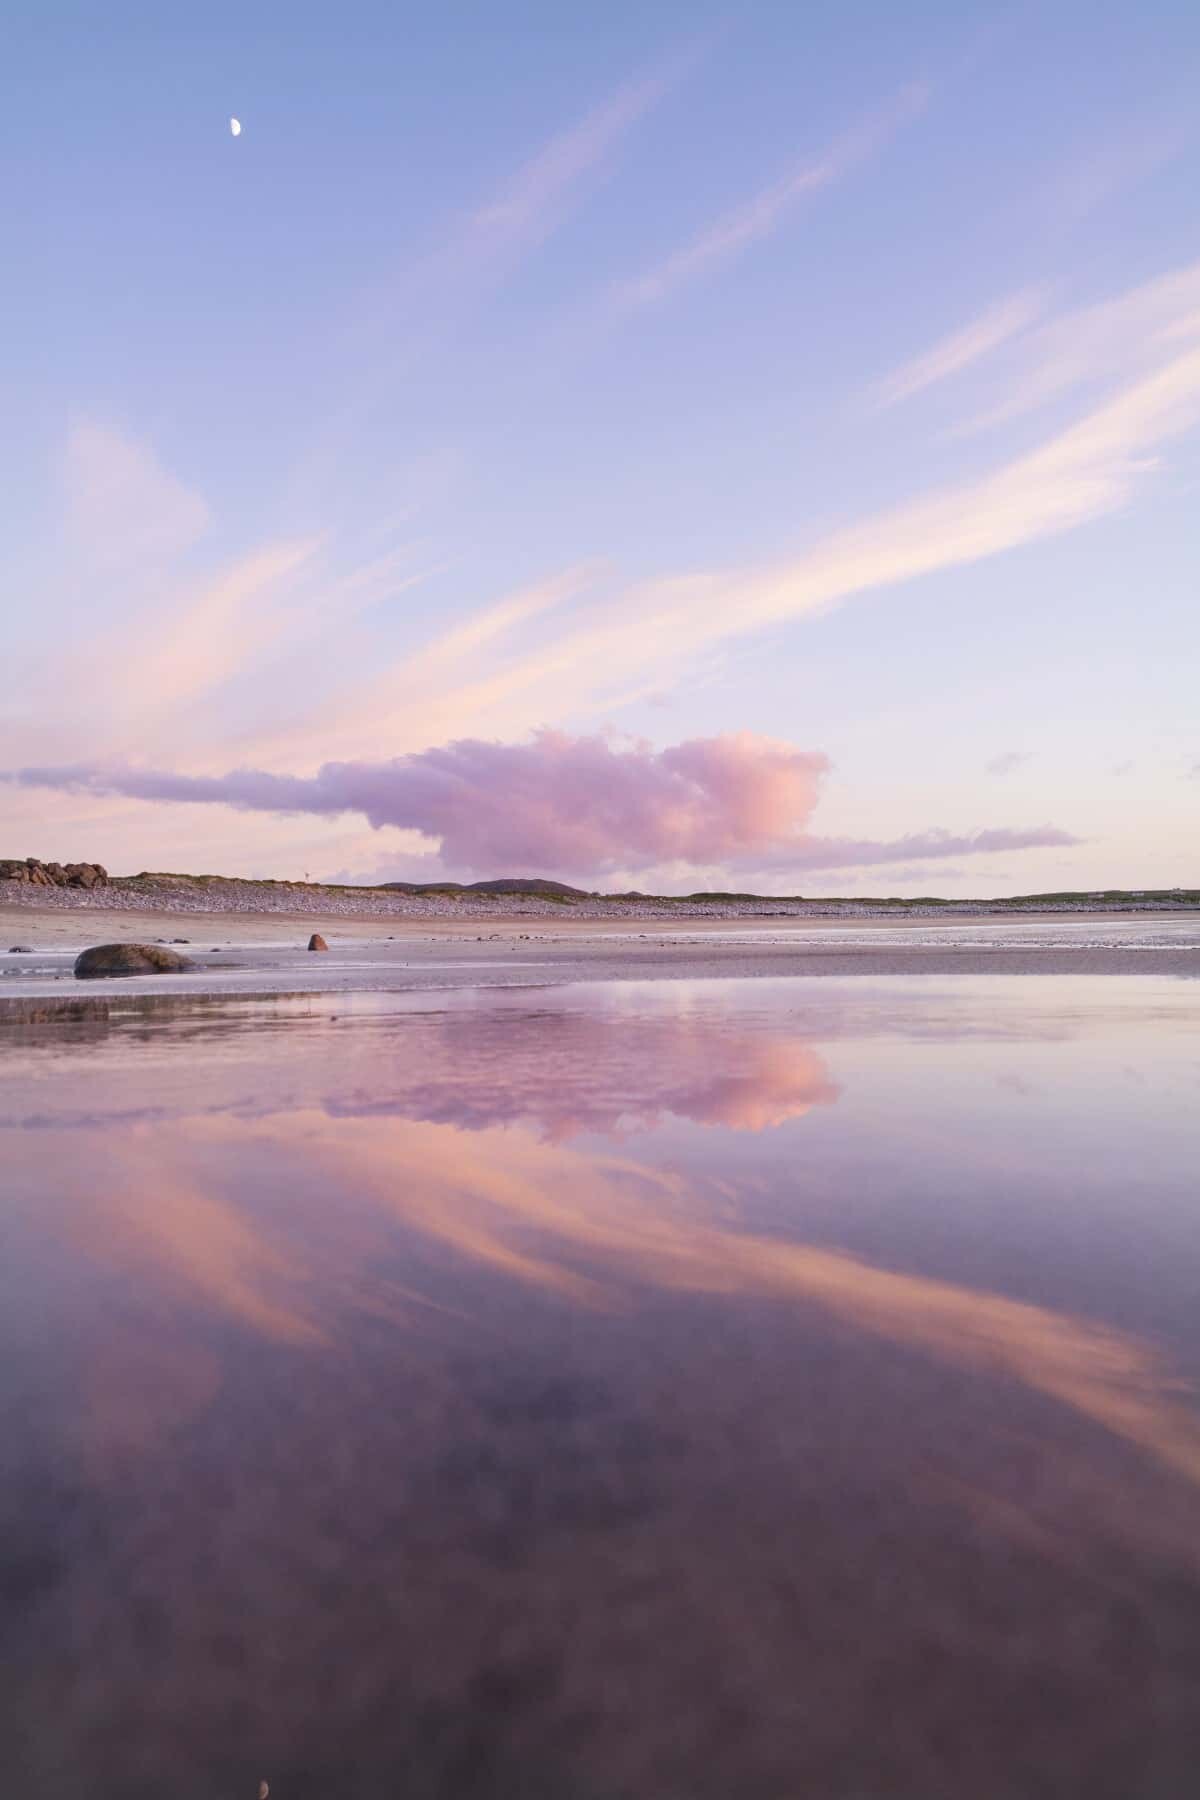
128, 959
20, 950
317, 942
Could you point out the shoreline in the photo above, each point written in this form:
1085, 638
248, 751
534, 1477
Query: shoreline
59, 922
265, 953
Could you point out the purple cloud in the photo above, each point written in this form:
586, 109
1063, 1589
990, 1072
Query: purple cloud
568, 804
810, 852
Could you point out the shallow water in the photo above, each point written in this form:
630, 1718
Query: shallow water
644, 1389
1090, 931
238, 963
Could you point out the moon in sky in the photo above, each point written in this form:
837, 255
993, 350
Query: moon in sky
235, 126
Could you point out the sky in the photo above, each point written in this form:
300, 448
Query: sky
652, 445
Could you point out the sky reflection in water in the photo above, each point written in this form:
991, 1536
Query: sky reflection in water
986, 1184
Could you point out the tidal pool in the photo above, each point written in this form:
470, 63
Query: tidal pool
597, 1392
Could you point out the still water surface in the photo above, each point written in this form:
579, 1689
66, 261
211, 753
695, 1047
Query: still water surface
673, 1389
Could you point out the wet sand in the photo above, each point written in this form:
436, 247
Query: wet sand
230, 949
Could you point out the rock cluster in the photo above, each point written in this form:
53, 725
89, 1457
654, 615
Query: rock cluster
53, 874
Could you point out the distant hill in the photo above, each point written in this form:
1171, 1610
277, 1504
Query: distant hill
23, 877
525, 884
506, 884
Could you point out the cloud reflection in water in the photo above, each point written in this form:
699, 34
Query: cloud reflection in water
293, 1211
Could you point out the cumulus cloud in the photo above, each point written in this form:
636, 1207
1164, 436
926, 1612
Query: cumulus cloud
556, 801
572, 804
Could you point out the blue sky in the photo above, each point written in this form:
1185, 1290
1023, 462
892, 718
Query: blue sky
647, 374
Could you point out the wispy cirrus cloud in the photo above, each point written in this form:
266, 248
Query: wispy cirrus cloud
540, 193
574, 646
124, 509
756, 218
1090, 346
996, 325
214, 634
1008, 762
581, 642
534, 198
1101, 172
394, 322
181, 644
577, 805
661, 627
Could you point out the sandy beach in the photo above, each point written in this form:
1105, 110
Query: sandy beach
238, 950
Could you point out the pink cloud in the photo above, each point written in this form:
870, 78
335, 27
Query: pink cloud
575, 803
572, 804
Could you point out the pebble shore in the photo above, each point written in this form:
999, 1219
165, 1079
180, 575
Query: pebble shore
178, 895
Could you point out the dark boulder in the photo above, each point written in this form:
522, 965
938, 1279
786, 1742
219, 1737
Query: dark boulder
317, 942
86, 875
128, 959
20, 949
